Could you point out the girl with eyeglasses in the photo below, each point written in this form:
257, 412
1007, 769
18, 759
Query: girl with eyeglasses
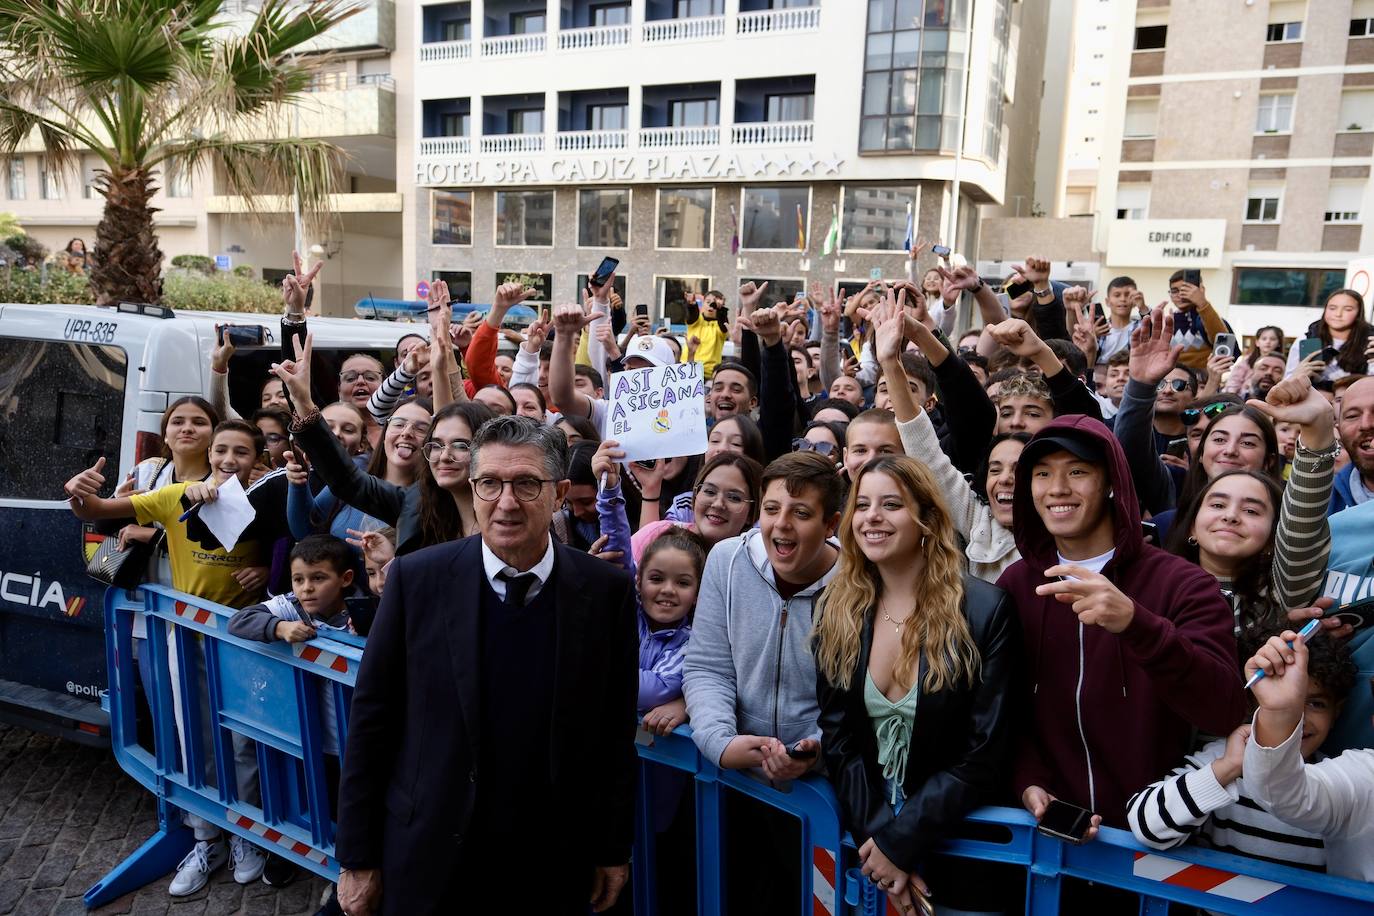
434, 504
725, 502
1267, 545
360, 375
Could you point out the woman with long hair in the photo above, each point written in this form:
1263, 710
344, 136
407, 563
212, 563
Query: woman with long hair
914, 659
1266, 545
1342, 330
725, 502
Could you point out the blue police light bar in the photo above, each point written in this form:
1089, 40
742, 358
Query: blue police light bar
414, 310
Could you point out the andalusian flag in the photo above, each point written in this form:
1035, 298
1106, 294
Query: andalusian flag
832, 238
801, 230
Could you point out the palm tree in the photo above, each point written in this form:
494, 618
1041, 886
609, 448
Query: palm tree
150, 84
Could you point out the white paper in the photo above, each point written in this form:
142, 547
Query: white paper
658, 411
229, 514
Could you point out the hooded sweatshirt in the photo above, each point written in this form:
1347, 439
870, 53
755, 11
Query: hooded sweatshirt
1110, 712
749, 668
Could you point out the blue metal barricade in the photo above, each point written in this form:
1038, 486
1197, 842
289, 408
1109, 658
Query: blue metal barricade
288, 698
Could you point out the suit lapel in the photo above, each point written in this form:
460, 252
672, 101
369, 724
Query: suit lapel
570, 655
463, 626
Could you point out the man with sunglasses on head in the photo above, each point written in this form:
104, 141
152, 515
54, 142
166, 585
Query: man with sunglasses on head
529, 650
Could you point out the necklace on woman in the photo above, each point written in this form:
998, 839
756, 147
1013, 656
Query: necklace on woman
887, 618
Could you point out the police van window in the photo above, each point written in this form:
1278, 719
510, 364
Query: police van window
250, 367
61, 408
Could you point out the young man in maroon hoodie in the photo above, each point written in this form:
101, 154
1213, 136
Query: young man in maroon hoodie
1128, 648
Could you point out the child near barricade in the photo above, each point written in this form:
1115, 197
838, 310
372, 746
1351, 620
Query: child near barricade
667, 580
321, 580
1206, 797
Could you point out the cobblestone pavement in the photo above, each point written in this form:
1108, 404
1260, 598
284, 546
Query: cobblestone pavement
68, 814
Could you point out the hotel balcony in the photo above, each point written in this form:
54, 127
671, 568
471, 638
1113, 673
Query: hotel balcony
756, 18
514, 27
593, 37
512, 124
446, 126
775, 111
680, 116
445, 32
373, 26
336, 105
593, 120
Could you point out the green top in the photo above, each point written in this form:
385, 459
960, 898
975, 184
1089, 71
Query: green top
892, 724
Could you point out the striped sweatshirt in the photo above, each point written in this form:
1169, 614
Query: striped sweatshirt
1191, 803
1303, 542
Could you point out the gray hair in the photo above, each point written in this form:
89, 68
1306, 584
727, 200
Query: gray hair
516, 432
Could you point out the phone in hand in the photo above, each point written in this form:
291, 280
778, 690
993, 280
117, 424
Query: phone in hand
648, 465
1225, 345
1358, 614
940, 251
604, 271
1193, 276
241, 335
1098, 313
642, 310
1150, 532
1066, 822
1177, 447
1309, 346
797, 752
1018, 289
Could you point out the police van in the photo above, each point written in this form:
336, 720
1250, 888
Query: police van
78, 382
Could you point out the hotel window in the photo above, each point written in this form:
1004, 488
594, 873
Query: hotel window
685, 9
671, 295
1262, 205
459, 283
1285, 286
1357, 110
771, 217
1274, 114
454, 124
1151, 37
611, 14
684, 218
874, 219
779, 289
451, 218
178, 180
797, 107
1132, 202
1283, 31
49, 181
603, 218
525, 121
1343, 202
527, 23
524, 218
17, 190
456, 30
607, 117
695, 112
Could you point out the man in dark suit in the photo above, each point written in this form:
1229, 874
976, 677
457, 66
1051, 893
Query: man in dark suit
491, 741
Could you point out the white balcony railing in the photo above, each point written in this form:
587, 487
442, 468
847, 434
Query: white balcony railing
767, 22
600, 36
433, 51
590, 140
508, 45
695, 28
445, 146
772, 133
339, 82
513, 143
667, 137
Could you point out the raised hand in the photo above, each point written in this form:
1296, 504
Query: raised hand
693, 344
295, 374
536, 332
1284, 662
767, 323
830, 315
88, 482
603, 292
606, 462
1294, 400
221, 352
417, 357
569, 320
127, 487
606, 335
296, 474
1153, 354
1017, 336
295, 285
511, 294
1092, 596
1035, 270
750, 294
956, 280
889, 337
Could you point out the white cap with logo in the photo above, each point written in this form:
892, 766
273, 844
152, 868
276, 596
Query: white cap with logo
652, 349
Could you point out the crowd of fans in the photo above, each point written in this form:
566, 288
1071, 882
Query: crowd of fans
1033, 564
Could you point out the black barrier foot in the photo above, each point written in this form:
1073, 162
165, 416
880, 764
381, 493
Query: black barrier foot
157, 857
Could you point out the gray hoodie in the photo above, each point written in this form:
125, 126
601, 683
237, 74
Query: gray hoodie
749, 668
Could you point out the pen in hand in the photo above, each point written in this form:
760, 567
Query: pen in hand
1306, 633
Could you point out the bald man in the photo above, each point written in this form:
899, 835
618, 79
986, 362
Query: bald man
1355, 424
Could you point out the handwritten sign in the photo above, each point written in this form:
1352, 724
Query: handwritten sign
658, 411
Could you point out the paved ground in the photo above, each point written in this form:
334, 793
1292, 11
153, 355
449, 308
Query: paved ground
68, 814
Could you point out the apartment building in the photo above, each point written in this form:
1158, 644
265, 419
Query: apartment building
352, 102
706, 142
1239, 140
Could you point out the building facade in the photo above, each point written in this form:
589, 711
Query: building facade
1248, 157
703, 142
353, 102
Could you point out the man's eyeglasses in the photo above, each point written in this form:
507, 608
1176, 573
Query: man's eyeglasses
806, 445
434, 449
1192, 415
1178, 384
274, 438
349, 377
733, 498
526, 489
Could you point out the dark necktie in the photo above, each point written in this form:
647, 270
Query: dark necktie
517, 586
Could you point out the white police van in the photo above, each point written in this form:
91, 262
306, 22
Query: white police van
78, 382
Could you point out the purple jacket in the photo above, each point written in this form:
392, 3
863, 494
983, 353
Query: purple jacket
661, 652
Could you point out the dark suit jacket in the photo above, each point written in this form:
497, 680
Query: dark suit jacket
960, 740
414, 759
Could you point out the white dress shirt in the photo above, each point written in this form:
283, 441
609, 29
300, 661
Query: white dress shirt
492, 565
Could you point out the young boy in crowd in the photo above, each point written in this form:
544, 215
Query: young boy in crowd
321, 579
1206, 797
757, 598
1332, 797
1122, 300
870, 435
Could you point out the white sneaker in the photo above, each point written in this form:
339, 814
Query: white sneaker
248, 860
195, 869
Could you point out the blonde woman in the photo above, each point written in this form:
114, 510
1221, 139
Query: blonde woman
914, 660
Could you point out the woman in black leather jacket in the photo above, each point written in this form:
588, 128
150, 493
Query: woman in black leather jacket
914, 659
